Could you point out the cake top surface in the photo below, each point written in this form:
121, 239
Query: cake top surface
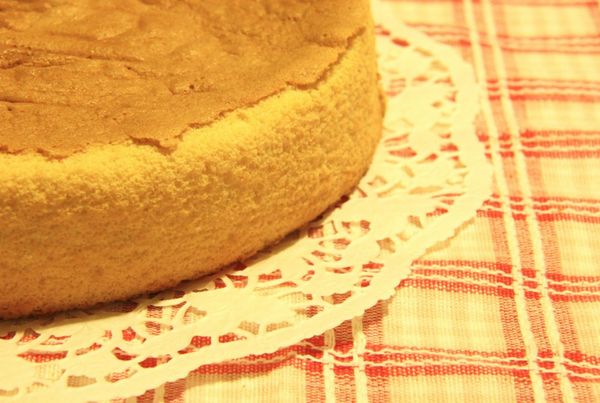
76, 73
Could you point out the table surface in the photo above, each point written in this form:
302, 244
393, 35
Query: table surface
508, 310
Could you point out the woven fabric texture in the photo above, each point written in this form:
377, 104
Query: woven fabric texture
508, 310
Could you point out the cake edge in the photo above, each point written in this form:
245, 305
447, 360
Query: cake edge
44, 203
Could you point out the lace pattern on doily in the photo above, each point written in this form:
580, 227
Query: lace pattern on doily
428, 177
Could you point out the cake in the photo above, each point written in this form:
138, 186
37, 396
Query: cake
146, 142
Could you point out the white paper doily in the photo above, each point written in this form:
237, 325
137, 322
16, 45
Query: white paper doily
428, 177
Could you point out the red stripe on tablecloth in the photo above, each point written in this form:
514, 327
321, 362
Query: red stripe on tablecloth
542, 217
554, 154
147, 397
406, 358
550, 247
575, 298
577, 356
545, 206
464, 30
458, 274
344, 341
533, 84
568, 289
526, 135
378, 363
390, 355
538, 40
345, 387
529, 133
554, 90
174, 391
573, 143
378, 388
447, 369
531, 3
235, 369
516, 355
315, 383
493, 209
451, 286
475, 264
457, 40
554, 3
345, 383
551, 97
554, 97
569, 217
561, 309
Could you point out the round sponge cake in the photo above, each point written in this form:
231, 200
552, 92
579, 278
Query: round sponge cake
146, 142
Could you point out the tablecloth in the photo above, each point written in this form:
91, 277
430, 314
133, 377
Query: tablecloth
509, 309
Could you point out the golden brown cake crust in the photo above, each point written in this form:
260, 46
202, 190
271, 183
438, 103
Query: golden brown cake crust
113, 221
76, 73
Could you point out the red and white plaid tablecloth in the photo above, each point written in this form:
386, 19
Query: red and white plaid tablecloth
509, 310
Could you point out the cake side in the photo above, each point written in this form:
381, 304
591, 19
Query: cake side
116, 221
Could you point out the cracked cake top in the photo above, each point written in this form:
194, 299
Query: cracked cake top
76, 73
